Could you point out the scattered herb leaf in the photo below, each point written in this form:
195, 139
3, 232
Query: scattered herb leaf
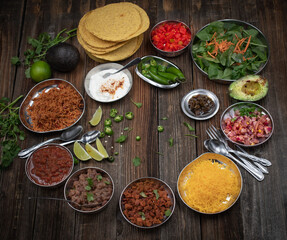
143, 194
107, 182
128, 129
139, 105
156, 194
88, 188
159, 153
189, 126
167, 212
170, 142
142, 215
90, 182
76, 161
136, 161
90, 197
191, 135
99, 178
164, 118
121, 139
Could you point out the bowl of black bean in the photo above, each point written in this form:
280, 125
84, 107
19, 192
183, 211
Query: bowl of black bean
200, 104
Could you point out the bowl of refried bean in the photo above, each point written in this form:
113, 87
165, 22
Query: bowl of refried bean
90, 188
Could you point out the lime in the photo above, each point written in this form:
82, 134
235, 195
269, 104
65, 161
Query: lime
40, 71
101, 148
96, 117
94, 153
80, 152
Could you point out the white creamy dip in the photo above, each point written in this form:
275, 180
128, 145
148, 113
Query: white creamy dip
111, 88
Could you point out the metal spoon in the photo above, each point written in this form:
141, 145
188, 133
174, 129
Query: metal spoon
131, 63
67, 135
216, 146
65, 200
88, 137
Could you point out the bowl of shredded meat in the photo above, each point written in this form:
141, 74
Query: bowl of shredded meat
247, 124
147, 202
51, 105
89, 190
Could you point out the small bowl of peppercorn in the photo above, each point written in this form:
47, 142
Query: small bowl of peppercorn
200, 104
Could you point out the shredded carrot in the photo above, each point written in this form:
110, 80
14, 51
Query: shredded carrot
247, 44
210, 54
224, 45
55, 109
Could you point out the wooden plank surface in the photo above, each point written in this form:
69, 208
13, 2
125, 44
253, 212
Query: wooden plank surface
260, 212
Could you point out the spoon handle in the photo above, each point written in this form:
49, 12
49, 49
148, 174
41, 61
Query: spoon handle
26, 152
263, 161
249, 168
131, 63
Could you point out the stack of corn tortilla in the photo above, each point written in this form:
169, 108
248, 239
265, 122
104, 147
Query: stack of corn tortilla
113, 32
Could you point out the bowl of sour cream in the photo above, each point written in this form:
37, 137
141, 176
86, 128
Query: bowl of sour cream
111, 88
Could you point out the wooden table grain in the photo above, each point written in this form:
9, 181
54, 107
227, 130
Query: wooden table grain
260, 212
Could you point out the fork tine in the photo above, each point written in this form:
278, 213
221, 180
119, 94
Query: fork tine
213, 132
217, 133
210, 134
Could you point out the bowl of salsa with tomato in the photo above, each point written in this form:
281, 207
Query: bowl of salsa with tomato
170, 37
49, 165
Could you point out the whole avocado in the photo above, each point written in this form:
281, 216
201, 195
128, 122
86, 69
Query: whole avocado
63, 57
250, 88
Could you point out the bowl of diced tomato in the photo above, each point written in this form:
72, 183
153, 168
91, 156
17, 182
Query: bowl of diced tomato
170, 37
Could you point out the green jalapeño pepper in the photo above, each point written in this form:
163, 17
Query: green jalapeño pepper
160, 128
129, 115
108, 122
119, 118
177, 72
108, 130
113, 112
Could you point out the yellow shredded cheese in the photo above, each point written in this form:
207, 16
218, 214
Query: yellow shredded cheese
209, 186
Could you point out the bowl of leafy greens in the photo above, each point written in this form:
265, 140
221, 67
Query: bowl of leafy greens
229, 49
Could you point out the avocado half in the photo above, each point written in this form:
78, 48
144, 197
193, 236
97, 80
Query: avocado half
250, 88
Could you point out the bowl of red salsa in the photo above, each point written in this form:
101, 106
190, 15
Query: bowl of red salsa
170, 37
50, 165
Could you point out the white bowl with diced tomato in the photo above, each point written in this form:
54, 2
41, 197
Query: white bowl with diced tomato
247, 124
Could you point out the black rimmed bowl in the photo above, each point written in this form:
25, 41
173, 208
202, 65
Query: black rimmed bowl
170, 53
92, 189
144, 196
39, 88
210, 184
200, 64
247, 124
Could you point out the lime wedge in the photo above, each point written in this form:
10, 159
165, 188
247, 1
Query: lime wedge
94, 153
96, 117
101, 148
80, 152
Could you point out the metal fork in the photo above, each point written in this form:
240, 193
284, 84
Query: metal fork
260, 160
212, 135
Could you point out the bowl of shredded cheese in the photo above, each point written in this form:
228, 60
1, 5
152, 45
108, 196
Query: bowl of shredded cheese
210, 184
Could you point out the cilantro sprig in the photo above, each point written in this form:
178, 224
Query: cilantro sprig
9, 131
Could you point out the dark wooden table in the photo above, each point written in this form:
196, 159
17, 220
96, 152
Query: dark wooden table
260, 212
